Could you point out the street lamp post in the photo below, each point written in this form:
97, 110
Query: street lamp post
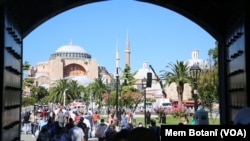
144, 80
195, 74
91, 100
117, 58
108, 94
64, 95
117, 93
82, 96
108, 101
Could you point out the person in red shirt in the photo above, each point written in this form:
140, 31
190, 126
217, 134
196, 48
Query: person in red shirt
43, 113
77, 117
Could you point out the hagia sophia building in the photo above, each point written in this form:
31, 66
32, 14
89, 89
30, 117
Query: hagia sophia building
70, 62
73, 62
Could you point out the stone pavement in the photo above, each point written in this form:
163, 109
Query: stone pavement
27, 137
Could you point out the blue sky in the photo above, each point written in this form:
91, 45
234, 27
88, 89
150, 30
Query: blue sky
157, 35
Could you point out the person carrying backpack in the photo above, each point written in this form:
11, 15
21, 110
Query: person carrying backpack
100, 130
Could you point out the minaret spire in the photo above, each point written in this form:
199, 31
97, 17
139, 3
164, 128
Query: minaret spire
117, 56
127, 50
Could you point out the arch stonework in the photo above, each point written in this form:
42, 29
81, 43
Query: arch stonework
74, 69
225, 20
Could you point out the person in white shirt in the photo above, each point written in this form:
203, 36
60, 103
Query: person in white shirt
72, 114
87, 122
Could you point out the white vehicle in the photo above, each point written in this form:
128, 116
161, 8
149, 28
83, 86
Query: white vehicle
149, 106
166, 103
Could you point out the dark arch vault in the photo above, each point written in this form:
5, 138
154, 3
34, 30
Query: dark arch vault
225, 20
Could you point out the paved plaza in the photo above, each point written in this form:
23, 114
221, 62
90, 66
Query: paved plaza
27, 137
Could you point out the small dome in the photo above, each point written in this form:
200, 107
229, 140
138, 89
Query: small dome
71, 48
191, 62
83, 80
142, 72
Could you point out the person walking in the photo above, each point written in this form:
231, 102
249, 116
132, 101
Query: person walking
61, 118
95, 118
87, 122
33, 121
89, 117
124, 120
148, 117
26, 122
70, 124
76, 133
100, 131
84, 127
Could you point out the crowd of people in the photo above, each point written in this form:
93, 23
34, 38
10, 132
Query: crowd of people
56, 124
63, 124
128, 132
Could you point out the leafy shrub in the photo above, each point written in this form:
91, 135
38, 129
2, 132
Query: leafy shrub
178, 112
161, 111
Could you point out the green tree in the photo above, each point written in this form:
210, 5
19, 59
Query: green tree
57, 90
109, 98
214, 54
71, 88
130, 95
208, 86
209, 82
28, 82
38, 93
87, 94
75, 90
179, 74
99, 88
26, 101
26, 66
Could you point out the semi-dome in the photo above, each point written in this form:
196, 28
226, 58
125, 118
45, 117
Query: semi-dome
82, 80
70, 48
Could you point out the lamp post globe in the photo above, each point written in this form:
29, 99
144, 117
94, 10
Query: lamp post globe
143, 81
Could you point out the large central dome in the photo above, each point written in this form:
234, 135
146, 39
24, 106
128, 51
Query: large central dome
70, 48
71, 51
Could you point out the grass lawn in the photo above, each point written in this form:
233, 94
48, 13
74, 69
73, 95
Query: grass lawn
171, 120
175, 121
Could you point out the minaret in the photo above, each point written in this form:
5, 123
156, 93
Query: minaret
127, 51
117, 58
